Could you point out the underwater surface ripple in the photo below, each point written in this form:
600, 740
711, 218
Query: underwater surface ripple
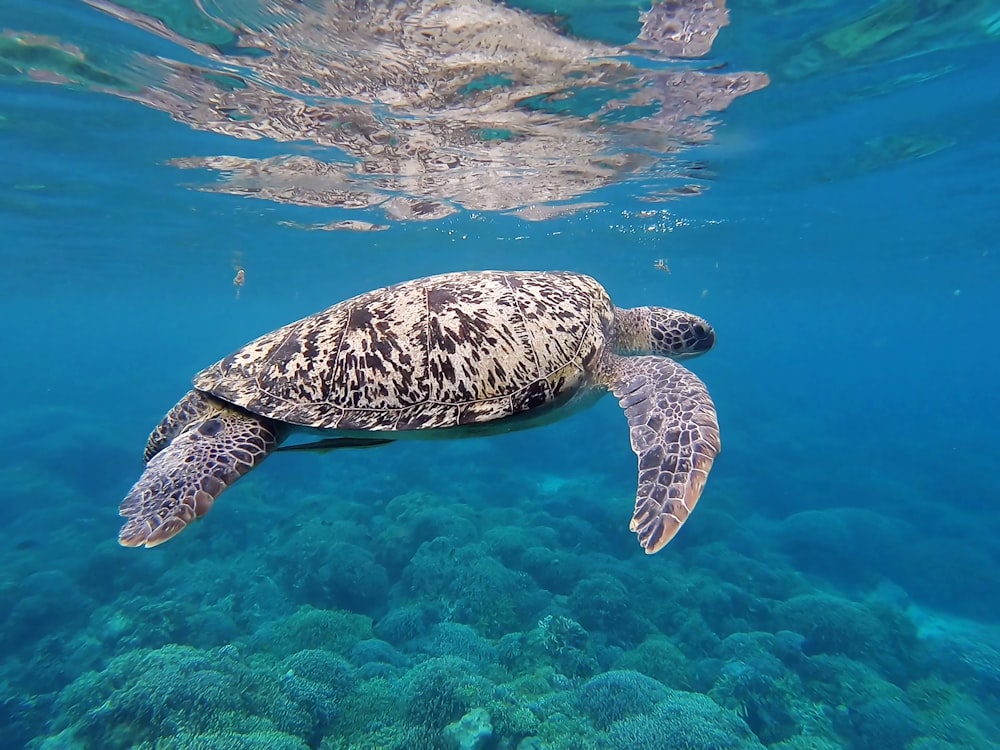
818, 180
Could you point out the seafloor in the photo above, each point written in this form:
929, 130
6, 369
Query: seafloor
303, 615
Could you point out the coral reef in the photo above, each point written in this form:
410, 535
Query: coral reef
485, 627
874, 634
682, 720
441, 689
613, 696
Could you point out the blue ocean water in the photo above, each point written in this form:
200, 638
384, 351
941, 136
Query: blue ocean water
836, 221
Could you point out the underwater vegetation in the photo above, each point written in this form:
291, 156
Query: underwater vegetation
438, 619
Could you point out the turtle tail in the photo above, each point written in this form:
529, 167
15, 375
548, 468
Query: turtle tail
202, 446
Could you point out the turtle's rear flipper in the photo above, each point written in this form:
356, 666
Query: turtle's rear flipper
675, 434
329, 444
184, 478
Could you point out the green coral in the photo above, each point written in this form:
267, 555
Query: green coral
660, 658
875, 633
310, 628
601, 602
951, 717
836, 680
683, 721
148, 695
391, 737
371, 707
565, 730
806, 742
564, 644
321, 666
470, 586
512, 720
764, 700
613, 696
440, 690
141, 695
411, 519
255, 740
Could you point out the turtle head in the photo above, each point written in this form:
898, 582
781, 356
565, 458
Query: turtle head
661, 330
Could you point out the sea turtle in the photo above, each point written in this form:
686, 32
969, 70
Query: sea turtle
457, 354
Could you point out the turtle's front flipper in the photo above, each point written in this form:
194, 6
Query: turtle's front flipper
675, 434
215, 445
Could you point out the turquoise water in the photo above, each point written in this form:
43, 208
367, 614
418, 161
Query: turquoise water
835, 219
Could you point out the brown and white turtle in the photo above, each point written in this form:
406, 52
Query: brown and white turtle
458, 354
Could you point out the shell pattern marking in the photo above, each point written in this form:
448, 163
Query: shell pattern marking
438, 352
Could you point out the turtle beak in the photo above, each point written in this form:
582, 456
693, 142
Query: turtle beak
698, 339
704, 338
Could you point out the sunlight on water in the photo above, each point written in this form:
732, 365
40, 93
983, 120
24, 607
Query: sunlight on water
419, 110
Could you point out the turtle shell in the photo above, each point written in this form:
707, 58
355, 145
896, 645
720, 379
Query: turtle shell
442, 351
